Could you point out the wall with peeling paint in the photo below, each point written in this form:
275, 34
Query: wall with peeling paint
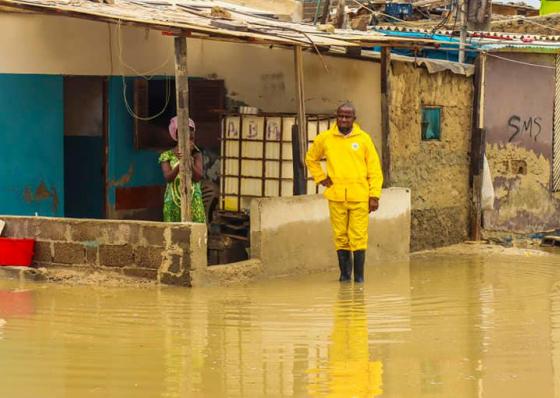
31, 145
259, 76
255, 75
519, 128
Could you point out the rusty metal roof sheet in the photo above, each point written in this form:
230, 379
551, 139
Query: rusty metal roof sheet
186, 18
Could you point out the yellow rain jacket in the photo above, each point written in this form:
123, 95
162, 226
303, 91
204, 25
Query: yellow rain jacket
352, 165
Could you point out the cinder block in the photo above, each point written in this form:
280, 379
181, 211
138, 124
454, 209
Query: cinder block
181, 236
86, 232
43, 252
18, 228
145, 273
69, 253
91, 255
175, 263
154, 236
148, 257
171, 279
51, 230
115, 255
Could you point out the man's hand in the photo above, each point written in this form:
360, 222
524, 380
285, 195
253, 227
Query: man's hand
373, 204
326, 182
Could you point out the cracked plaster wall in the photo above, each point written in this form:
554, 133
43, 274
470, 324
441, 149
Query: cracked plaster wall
436, 171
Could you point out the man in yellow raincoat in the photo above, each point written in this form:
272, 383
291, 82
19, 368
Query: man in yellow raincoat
353, 181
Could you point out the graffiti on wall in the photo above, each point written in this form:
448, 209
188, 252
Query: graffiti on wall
520, 128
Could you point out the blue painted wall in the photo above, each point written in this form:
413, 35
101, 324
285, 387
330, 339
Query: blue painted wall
127, 167
31, 145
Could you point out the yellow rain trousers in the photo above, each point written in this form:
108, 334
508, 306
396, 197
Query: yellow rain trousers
349, 221
353, 167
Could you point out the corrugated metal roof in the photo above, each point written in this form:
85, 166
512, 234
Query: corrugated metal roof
184, 18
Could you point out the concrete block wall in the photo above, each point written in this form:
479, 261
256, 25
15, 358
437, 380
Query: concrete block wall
168, 253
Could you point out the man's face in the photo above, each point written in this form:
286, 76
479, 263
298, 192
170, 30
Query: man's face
345, 119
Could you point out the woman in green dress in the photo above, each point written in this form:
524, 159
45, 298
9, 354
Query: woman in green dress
169, 161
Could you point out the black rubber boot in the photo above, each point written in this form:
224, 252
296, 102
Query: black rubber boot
345, 265
359, 261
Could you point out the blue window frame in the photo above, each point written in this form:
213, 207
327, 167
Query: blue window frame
431, 123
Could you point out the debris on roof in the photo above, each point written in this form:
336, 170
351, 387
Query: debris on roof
192, 19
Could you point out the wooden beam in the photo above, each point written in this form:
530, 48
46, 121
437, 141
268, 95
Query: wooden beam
340, 14
300, 139
478, 149
385, 115
326, 10
184, 135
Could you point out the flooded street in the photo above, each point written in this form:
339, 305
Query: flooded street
433, 326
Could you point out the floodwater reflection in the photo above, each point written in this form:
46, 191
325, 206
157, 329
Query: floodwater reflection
434, 326
348, 371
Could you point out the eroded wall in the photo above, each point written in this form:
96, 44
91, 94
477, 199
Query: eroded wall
437, 172
519, 134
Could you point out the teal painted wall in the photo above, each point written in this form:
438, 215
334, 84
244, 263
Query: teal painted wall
31, 145
127, 167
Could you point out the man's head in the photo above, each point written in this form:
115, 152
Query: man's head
345, 117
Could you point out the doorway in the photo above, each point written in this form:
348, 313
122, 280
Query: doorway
85, 142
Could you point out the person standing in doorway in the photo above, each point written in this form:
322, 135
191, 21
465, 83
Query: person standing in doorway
169, 161
353, 181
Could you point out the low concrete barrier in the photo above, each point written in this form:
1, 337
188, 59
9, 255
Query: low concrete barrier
293, 235
171, 253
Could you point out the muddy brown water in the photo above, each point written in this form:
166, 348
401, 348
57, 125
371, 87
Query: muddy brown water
431, 326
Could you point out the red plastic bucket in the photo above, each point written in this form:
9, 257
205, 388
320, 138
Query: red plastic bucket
16, 251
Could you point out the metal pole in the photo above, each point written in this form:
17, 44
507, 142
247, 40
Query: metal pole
317, 12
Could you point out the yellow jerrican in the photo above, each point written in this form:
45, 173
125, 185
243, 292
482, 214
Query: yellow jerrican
352, 165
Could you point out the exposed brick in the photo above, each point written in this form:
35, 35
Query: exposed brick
115, 255
141, 273
51, 230
181, 236
154, 236
86, 232
91, 255
134, 237
69, 253
148, 257
43, 252
117, 234
175, 265
170, 279
20, 229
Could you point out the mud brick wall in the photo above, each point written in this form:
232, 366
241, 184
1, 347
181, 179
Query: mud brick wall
168, 253
437, 172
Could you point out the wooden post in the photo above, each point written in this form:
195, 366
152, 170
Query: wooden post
300, 173
340, 14
326, 9
478, 149
479, 15
385, 115
462, 30
184, 135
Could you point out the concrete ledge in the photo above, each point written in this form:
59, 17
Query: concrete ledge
166, 252
22, 273
293, 235
229, 274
